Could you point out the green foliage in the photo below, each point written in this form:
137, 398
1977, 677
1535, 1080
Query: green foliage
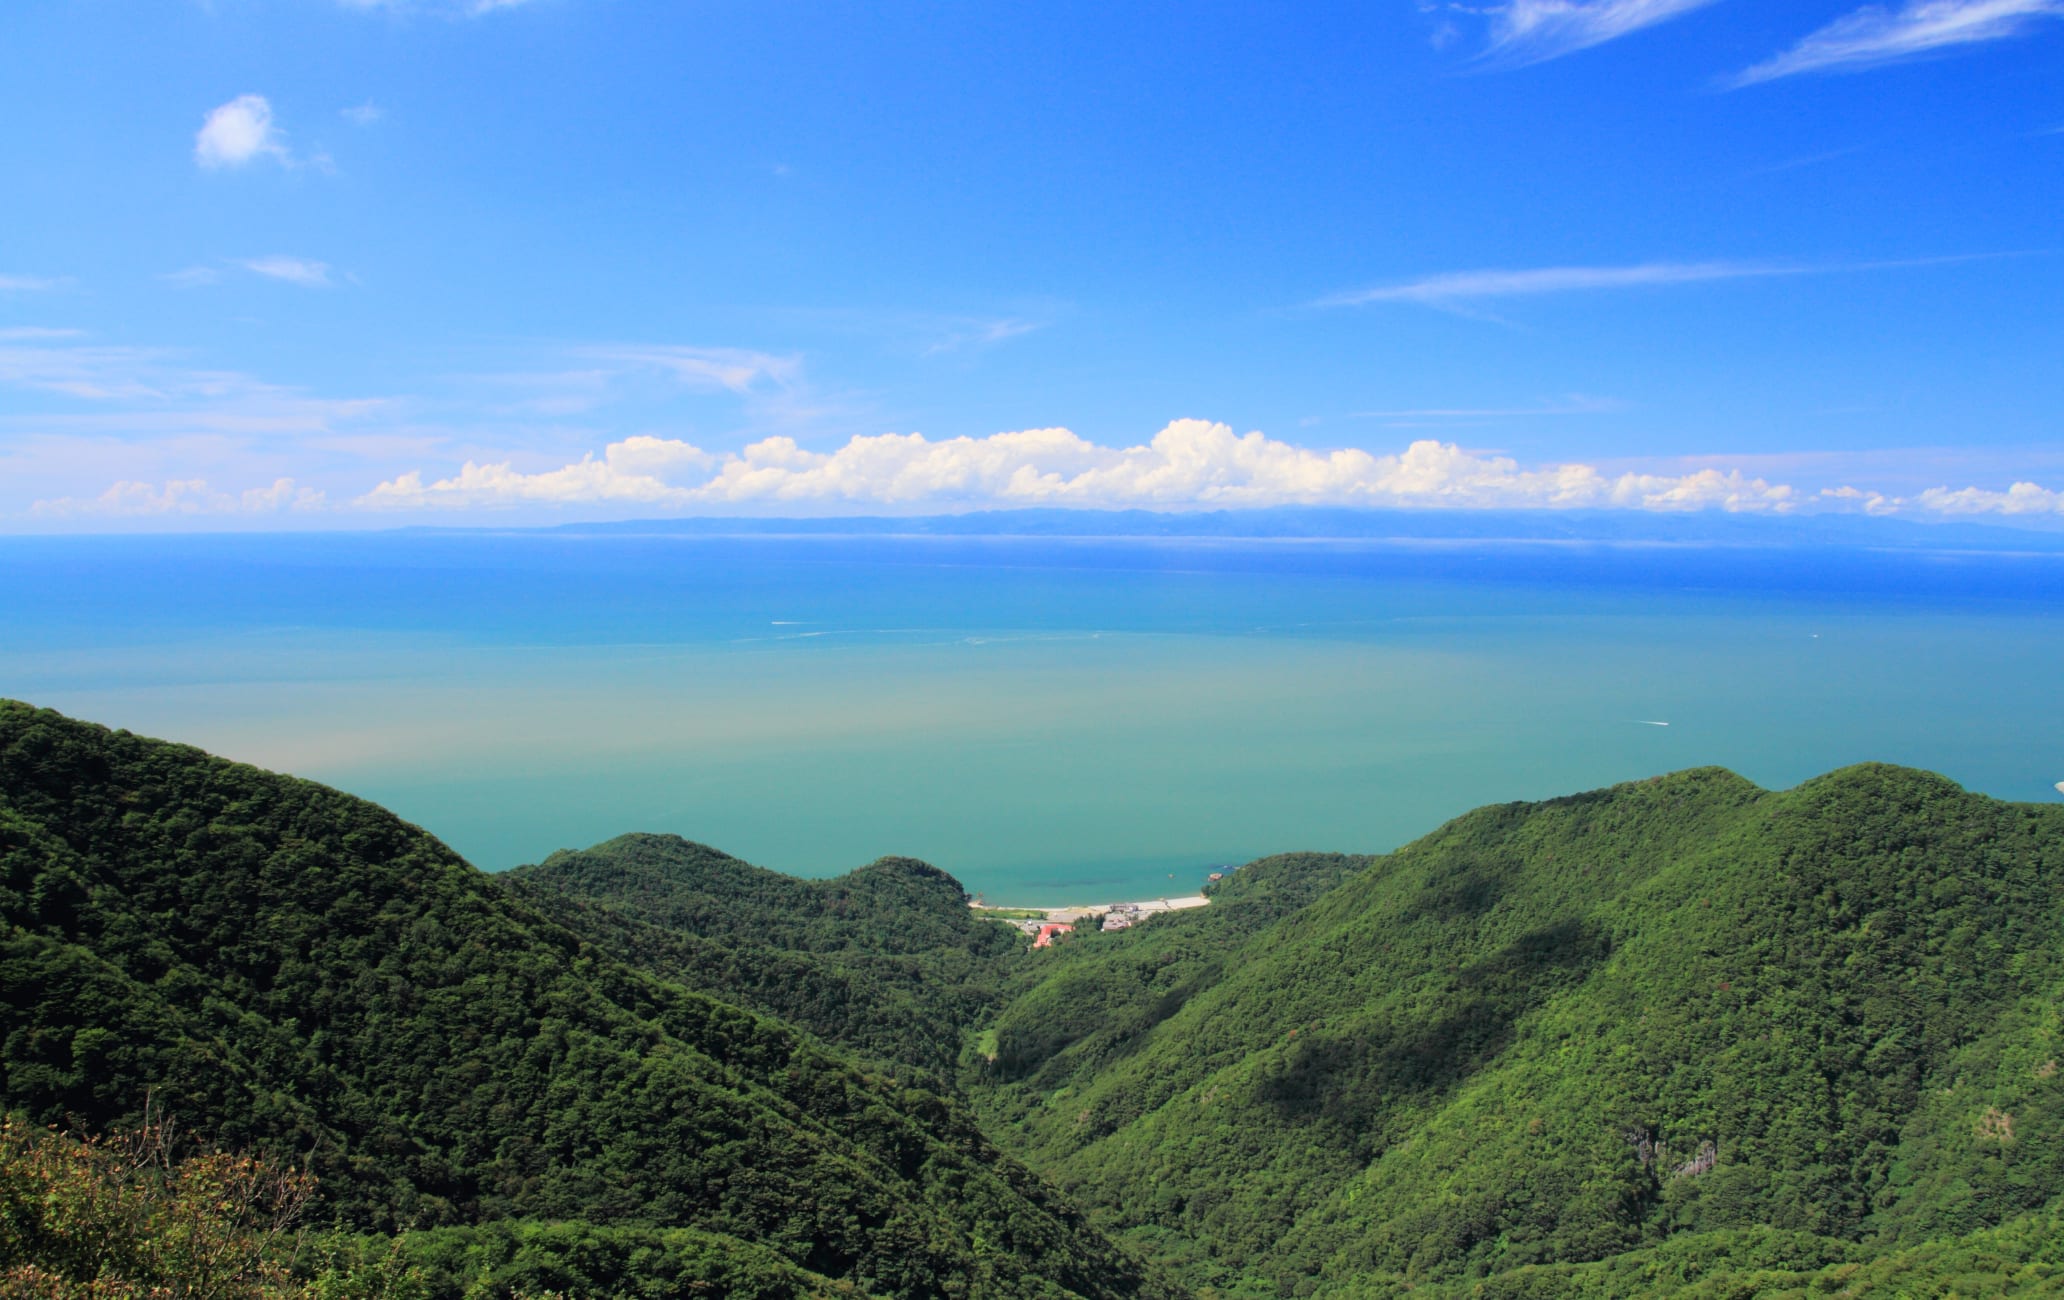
294, 970
1683, 1036
514, 1259
1083, 1003
124, 1220
887, 960
1564, 1032
2018, 1258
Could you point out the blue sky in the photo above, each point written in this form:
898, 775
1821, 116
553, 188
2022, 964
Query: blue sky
272, 264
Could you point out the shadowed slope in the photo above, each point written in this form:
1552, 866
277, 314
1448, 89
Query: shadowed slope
887, 960
296, 970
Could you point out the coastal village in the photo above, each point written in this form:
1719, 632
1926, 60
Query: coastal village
1045, 925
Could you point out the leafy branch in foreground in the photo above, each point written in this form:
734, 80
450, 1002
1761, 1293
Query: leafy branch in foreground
123, 1218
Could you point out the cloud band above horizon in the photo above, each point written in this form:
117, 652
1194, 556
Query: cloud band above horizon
1189, 463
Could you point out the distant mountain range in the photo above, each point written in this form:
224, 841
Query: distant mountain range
1707, 527
1681, 1036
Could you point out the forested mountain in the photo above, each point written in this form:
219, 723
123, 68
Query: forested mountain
290, 969
1751, 1030
1078, 1006
887, 960
1681, 1036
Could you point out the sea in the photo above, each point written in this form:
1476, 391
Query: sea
1053, 719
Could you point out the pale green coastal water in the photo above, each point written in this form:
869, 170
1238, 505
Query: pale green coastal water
1050, 722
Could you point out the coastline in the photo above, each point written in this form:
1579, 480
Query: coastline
1070, 914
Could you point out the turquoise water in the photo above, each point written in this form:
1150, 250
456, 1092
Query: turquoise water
1052, 720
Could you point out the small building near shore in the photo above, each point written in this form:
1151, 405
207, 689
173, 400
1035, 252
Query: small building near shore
1047, 933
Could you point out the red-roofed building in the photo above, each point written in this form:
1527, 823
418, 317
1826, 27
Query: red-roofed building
1047, 933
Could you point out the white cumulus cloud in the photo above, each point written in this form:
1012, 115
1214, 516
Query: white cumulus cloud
1855, 498
239, 132
2019, 499
1189, 463
633, 470
1873, 35
2022, 499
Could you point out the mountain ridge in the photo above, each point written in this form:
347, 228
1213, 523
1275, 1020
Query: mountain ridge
1464, 1058
296, 970
886, 960
1682, 1034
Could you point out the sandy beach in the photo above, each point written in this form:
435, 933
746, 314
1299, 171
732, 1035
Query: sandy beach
1069, 915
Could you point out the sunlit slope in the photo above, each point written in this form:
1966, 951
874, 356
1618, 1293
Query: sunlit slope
1076, 1006
286, 967
887, 960
1513, 1041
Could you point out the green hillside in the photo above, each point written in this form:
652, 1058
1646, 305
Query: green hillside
1079, 1005
1683, 1036
887, 960
290, 969
1682, 1013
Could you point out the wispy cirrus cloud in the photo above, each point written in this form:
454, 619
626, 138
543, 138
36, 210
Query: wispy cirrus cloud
131, 497
151, 391
1535, 31
88, 372
737, 370
31, 283
924, 333
1456, 288
974, 333
1876, 35
190, 277
303, 271
306, 272
37, 334
449, 8
1574, 404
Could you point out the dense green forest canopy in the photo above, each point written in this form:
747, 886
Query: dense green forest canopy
1077, 1006
887, 960
1684, 1008
300, 972
1681, 1036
